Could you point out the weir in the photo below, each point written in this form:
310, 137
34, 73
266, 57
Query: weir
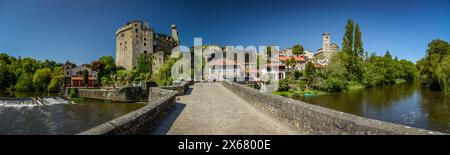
33, 101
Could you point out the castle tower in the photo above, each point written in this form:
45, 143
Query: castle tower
175, 33
326, 42
146, 24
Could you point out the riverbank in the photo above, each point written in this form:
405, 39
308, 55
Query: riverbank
403, 103
293, 93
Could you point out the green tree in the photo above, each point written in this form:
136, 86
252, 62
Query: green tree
85, 77
55, 84
5, 75
298, 49
164, 76
25, 82
283, 85
290, 63
310, 72
432, 68
352, 46
42, 78
144, 63
347, 42
358, 45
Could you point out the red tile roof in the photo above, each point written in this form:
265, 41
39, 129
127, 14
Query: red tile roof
297, 58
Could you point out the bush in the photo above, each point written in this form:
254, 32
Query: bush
73, 93
335, 85
354, 85
283, 85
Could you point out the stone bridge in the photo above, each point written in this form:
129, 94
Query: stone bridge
210, 108
228, 108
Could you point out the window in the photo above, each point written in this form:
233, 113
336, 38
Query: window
135, 25
247, 58
145, 39
145, 52
136, 30
145, 44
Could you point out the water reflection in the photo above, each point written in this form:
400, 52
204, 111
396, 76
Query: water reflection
405, 104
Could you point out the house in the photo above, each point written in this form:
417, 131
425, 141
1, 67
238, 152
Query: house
273, 71
300, 62
73, 75
224, 69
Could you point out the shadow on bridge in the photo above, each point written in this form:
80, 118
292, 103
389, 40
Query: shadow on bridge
167, 123
188, 91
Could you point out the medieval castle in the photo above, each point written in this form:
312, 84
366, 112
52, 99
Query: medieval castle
135, 38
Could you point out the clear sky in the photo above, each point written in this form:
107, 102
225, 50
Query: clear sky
83, 30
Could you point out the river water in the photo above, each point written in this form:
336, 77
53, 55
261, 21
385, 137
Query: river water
58, 118
405, 104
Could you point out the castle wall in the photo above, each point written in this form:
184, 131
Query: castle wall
134, 39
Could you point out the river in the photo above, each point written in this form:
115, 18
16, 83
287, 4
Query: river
405, 104
58, 118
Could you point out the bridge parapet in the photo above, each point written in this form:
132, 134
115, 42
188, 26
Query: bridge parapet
143, 120
315, 119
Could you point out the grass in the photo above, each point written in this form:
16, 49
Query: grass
353, 85
292, 93
398, 81
283, 93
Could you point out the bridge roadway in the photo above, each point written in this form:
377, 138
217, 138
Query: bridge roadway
212, 109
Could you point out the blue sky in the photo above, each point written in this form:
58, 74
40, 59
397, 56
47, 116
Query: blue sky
83, 30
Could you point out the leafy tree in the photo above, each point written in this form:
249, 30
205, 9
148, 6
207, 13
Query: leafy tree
290, 63
352, 46
358, 45
42, 78
55, 84
85, 77
5, 75
347, 42
144, 63
298, 49
432, 68
25, 82
310, 72
164, 76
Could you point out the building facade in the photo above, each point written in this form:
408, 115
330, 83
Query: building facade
135, 38
324, 54
73, 76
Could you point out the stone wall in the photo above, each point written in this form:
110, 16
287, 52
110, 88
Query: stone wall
314, 119
181, 88
126, 94
141, 121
